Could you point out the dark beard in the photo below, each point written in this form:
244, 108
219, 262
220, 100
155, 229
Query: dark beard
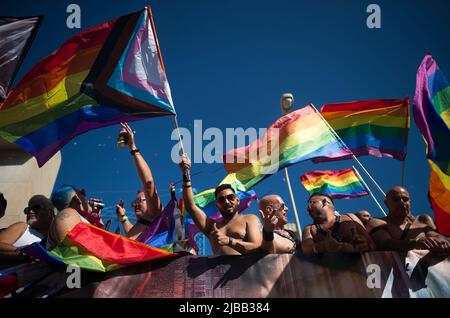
228, 215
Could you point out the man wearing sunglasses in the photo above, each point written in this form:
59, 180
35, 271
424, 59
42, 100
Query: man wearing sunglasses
39, 213
234, 234
332, 232
276, 240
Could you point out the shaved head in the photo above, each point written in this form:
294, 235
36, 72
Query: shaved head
395, 190
268, 200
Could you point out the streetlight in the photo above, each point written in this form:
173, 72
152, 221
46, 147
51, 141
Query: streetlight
286, 102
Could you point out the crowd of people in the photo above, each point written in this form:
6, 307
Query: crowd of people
49, 219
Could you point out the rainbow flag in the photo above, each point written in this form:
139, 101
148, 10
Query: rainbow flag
376, 128
110, 73
439, 196
295, 137
432, 116
338, 184
95, 249
160, 233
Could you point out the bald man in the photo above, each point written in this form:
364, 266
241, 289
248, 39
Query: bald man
401, 231
276, 240
364, 216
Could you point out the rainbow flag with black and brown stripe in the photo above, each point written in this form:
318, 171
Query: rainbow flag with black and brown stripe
432, 116
376, 127
107, 74
338, 184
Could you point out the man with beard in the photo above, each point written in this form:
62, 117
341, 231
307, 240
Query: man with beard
40, 213
332, 232
234, 234
401, 231
273, 212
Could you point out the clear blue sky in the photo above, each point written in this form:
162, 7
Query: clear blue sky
228, 62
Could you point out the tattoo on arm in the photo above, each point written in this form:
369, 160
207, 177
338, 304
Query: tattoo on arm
62, 215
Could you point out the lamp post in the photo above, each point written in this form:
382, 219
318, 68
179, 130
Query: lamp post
286, 103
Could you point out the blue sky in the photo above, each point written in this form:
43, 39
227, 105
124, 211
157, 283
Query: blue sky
228, 62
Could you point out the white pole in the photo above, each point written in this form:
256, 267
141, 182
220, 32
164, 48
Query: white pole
368, 190
294, 207
286, 102
354, 157
368, 174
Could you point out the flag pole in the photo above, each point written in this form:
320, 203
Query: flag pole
353, 155
368, 174
368, 190
286, 109
294, 207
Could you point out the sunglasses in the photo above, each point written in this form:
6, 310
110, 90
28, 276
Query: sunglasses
324, 201
34, 208
230, 197
137, 201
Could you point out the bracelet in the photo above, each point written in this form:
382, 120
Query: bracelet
134, 151
230, 241
123, 219
187, 185
267, 236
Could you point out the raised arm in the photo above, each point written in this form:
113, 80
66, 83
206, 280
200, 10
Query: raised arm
154, 205
198, 216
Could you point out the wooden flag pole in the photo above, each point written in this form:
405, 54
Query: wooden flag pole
368, 190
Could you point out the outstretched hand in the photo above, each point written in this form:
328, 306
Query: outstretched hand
269, 220
130, 134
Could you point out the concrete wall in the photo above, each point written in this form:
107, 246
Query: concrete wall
21, 178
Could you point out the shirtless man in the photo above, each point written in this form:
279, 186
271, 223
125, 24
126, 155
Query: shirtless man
40, 213
235, 234
364, 216
331, 232
69, 215
273, 212
400, 231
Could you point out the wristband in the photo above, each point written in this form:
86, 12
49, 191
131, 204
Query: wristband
267, 236
185, 185
134, 151
123, 219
